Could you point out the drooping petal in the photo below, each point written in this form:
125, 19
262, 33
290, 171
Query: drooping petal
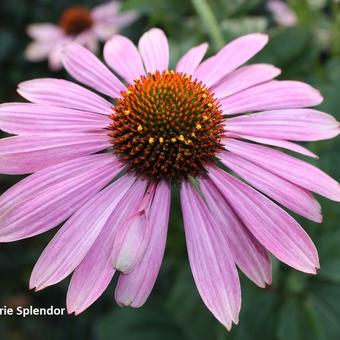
63, 93
275, 94
245, 77
30, 153
123, 57
45, 199
134, 288
230, 58
29, 118
210, 259
154, 49
290, 168
190, 61
293, 124
286, 193
75, 238
93, 275
131, 244
275, 142
133, 239
85, 67
249, 254
271, 225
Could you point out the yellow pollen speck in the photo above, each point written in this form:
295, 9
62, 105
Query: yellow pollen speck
151, 140
210, 105
188, 141
140, 128
127, 112
204, 95
187, 76
205, 117
181, 138
173, 140
161, 140
193, 134
198, 126
172, 72
128, 92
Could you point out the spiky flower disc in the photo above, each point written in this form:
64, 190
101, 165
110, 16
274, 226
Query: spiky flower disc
166, 125
75, 20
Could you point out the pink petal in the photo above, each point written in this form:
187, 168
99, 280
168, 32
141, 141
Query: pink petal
85, 67
245, 77
287, 167
275, 142
271, 225
44, 32
230, 58
105, 11
122, 56
104, 30
133, 239
54, 58
131, 243
282, 13
45, 199
275, 94
27, 154
154, 49
190, 61
63, 93
28, 118
210, 259
75, 238
38, 51
284, 192
90, 42
294, 124
134, 288
249, 254
92, 276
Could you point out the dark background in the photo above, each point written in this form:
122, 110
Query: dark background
296, 306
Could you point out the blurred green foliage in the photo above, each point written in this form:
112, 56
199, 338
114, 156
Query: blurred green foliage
296, 306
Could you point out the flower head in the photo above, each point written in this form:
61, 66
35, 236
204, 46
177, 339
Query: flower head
106, 168
80, 24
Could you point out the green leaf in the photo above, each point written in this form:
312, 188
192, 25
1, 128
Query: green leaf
297, 321
147, 323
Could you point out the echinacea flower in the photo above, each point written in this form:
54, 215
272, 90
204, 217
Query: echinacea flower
80, 24
282, 13
106, 168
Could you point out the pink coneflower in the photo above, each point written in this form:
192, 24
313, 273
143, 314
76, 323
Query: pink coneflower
108, 169
80, 24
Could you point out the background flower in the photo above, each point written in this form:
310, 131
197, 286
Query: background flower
77, 23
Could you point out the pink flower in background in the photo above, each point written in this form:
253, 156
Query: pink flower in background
107, 169
282, 13
80, 24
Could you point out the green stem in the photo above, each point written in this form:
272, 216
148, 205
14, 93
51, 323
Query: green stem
207, 16
335, 44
